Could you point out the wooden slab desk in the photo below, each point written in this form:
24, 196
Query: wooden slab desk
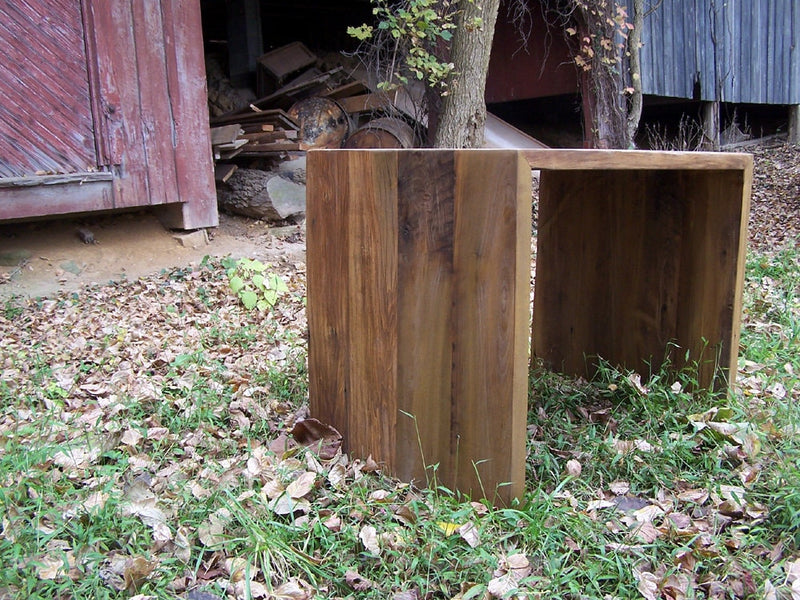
418, 290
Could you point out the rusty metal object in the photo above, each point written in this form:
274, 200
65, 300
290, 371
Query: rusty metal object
386, 132
323, 123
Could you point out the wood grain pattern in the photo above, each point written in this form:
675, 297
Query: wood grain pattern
45, 119
628, 160
116, 86
154, 101
327, 251
371, 292
710, 288
190, 136
117, 93
56, 198
420, 356
426, 187
641, 266
492, 242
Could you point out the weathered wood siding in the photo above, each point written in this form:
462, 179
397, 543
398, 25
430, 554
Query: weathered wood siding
736, 50
116, 86
45, 118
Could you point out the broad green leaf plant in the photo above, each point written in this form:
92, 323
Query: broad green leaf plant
254, 284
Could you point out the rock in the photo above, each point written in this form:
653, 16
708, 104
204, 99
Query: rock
262, 195
70, 266
294, 169
193, 239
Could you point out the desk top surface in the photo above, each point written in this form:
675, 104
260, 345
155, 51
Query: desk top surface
583, 160
636, 160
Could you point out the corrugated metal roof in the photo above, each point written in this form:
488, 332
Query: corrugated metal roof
735, 50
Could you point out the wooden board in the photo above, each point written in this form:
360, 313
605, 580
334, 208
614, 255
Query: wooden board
225, 134
634, 160
642, 264
45, 117
418, 299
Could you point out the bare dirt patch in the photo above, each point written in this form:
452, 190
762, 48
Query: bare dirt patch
43, 258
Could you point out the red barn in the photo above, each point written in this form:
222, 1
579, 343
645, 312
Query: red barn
104, 106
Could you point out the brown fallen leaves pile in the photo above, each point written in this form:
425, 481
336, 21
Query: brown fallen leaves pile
775, 207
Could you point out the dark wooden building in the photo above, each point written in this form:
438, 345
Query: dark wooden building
737, 53
103, 107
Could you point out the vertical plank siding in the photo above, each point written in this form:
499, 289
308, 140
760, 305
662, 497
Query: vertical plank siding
109, 85
45, 121
737, 50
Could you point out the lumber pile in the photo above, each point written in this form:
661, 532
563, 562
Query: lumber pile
303, 104
253, 134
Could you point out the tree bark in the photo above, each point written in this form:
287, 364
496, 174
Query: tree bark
602, 84
634, 43
463, 112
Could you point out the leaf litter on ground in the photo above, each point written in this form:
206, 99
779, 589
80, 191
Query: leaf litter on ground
157, 444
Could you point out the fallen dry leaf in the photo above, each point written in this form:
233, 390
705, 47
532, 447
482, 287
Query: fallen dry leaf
470, 534
648, 586
322, 438
619, 488
136, 570
645, 532
792, 570
502, 587
286, 505
49, 567
356, 581
369, 537
294, 589
574, 468
302, 485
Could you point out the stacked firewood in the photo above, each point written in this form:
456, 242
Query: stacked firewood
304, 105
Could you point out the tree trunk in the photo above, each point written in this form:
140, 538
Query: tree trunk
602, 84
463, 113
634, 43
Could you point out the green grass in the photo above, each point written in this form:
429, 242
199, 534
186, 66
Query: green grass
140, 459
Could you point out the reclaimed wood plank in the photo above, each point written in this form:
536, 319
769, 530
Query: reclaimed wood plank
224, 172
609, 268
186, 82
225, 134
371, 288
426, 187
45, 90
118, 98
643, 265
712, 270
491, 262
420, 355
328, 246
156, 117
56, 199
567, 160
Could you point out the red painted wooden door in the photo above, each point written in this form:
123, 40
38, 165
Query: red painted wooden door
109, 93
46, 123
